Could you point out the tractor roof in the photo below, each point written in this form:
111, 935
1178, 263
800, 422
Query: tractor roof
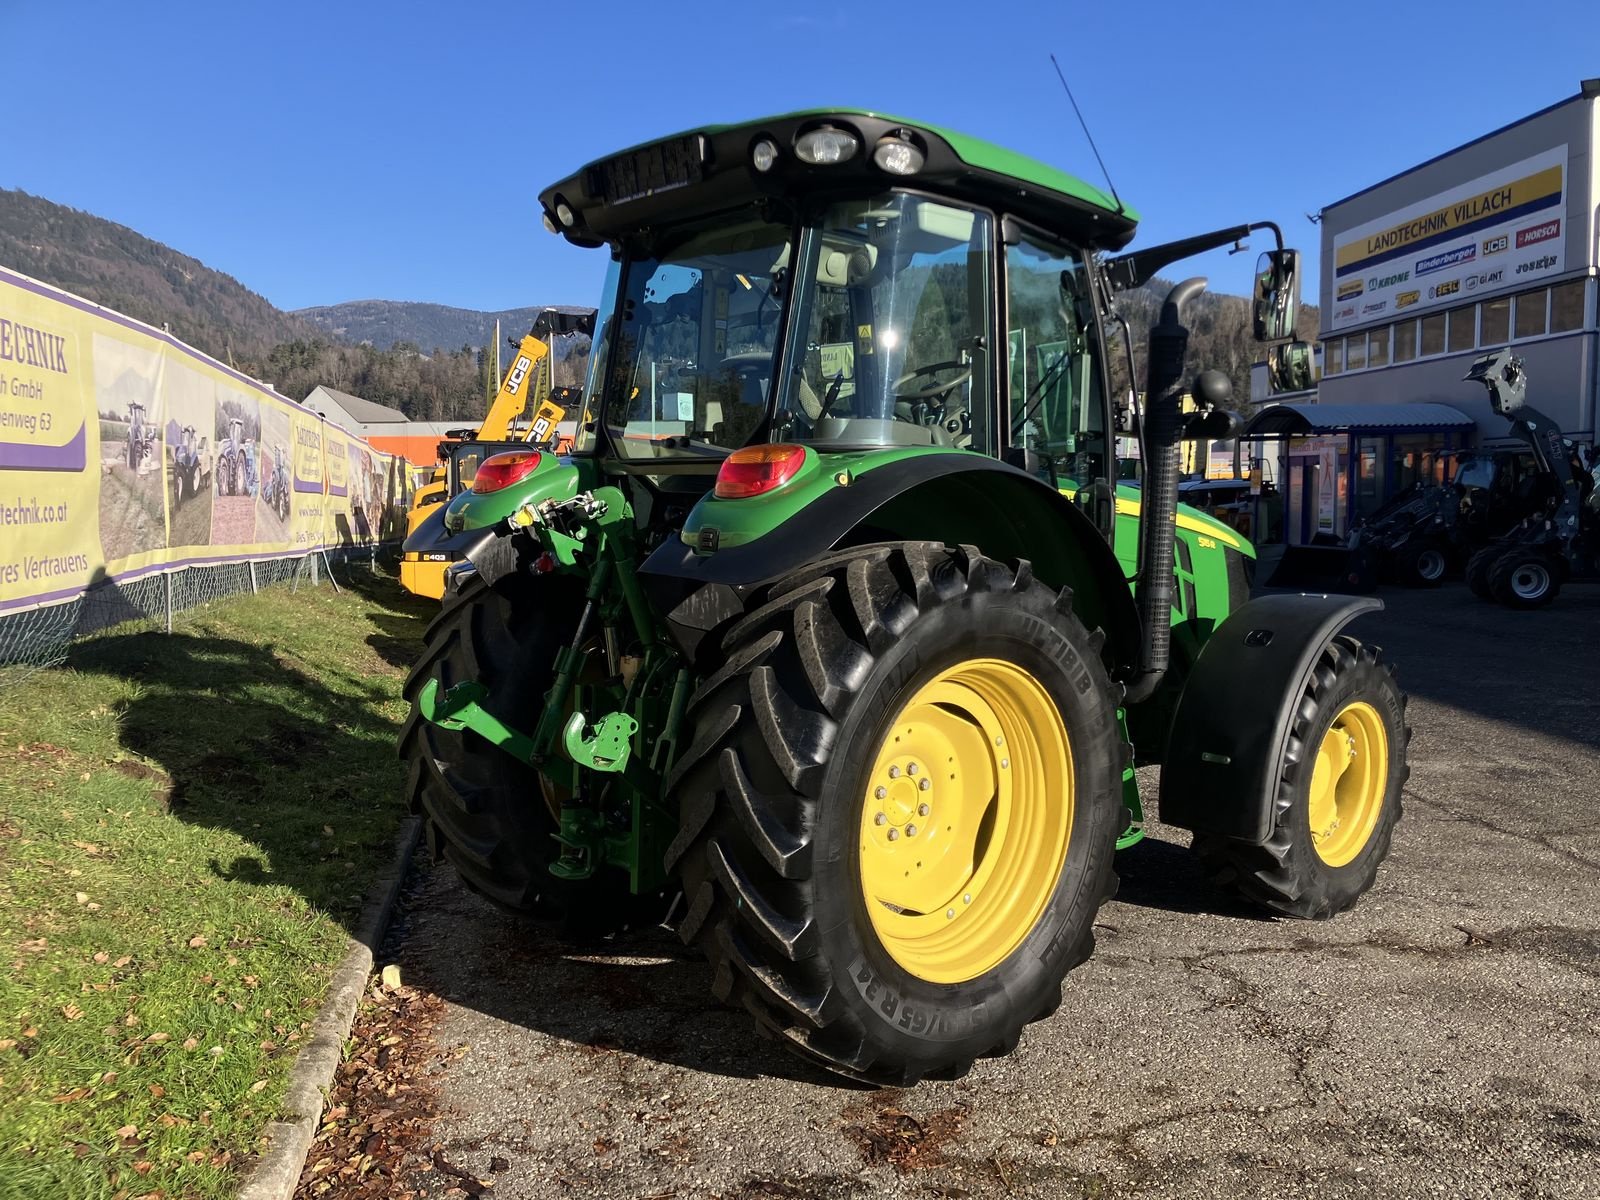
710, 169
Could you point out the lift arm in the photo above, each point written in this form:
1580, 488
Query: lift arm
529, 377
1503, 375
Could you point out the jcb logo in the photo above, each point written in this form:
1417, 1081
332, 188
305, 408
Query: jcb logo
1496, 244
514, 380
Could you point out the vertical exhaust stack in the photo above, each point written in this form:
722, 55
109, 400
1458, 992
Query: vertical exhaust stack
1163, 430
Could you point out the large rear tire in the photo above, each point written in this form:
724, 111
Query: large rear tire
1339, 794
487, 812
899, 809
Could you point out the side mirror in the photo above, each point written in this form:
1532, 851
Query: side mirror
1276, 305
1291, 367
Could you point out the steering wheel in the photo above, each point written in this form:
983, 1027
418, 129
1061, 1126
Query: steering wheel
935, 390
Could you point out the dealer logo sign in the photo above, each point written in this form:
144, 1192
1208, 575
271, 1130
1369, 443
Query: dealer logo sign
1538, 233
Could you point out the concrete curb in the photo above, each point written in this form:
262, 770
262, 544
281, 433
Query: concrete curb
277, 1173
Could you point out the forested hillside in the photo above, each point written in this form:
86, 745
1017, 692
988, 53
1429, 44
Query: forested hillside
213, 312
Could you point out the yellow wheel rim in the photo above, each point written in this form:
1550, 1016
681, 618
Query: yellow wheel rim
1348, 782
966, 819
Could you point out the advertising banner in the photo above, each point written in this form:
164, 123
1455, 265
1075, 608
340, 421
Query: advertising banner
1500, 230
124, 451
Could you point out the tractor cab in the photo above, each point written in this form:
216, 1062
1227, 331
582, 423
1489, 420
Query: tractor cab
876, 286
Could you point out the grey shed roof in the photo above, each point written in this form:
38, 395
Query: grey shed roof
1301, 419
363, 412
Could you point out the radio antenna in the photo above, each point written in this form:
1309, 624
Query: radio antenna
1120, 207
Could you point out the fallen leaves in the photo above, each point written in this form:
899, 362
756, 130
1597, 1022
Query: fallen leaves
72, 1012
375, 1138
197, 941
888, 1134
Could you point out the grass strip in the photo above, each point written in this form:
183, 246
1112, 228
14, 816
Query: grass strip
188, 826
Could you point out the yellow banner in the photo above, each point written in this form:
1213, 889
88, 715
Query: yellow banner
124, 451
1489, 206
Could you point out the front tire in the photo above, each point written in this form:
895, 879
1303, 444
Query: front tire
1424, 565
1339, 793
1478, 568
885, 951
1525, 579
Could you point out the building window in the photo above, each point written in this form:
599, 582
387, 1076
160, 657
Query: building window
1463, 328
1433, 335
1378, 347
1405, 341
1355, 352
1333, 356
1566, 306
1496, 321
1531, 313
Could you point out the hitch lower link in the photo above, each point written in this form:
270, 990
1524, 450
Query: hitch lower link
607, 749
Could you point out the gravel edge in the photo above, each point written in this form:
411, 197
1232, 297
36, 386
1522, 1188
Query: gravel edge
276, 1173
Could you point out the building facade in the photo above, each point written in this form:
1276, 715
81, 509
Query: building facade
1492, 244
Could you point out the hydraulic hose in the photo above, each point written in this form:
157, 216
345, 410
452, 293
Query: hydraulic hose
1163, 431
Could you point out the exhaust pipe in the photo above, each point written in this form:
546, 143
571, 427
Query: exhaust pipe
1163, 431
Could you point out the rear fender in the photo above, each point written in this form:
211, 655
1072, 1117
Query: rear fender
1225, 752
955, 499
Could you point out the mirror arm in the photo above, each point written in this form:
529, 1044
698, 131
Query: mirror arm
1129, 271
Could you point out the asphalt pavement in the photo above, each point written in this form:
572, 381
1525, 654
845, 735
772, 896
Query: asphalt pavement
1442, 1039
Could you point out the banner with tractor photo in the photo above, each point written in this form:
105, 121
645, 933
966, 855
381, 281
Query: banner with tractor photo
124, 451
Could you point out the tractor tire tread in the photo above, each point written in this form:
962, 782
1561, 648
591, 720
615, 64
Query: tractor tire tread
1268, 875
749, 794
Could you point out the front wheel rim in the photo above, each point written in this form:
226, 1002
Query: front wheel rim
1349, 779
966, 818
1530, 581
1430, 565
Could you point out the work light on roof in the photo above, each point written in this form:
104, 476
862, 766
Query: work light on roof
826, 146
564, 213
550, 225
898, 156
764, 154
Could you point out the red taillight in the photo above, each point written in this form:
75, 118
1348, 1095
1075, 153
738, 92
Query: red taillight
758, 469
502, 470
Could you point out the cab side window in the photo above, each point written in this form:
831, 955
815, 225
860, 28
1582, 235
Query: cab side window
1055, 386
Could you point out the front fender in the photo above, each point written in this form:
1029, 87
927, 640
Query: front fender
1225, 753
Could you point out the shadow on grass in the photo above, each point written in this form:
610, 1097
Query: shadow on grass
292, 752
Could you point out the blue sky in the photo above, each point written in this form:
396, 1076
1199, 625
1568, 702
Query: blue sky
349, 150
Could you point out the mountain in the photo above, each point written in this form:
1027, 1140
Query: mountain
112, 265
383, 323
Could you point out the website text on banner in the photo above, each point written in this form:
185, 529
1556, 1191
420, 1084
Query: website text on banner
124, 452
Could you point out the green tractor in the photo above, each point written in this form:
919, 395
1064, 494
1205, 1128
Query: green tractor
836, 636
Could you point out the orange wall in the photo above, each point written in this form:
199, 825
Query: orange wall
419, 451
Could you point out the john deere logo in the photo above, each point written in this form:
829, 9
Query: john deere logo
1349, 291
1407, 299
1495, 245
1383, 281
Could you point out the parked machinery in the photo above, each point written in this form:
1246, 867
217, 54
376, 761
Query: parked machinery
836, 621
1527, 566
